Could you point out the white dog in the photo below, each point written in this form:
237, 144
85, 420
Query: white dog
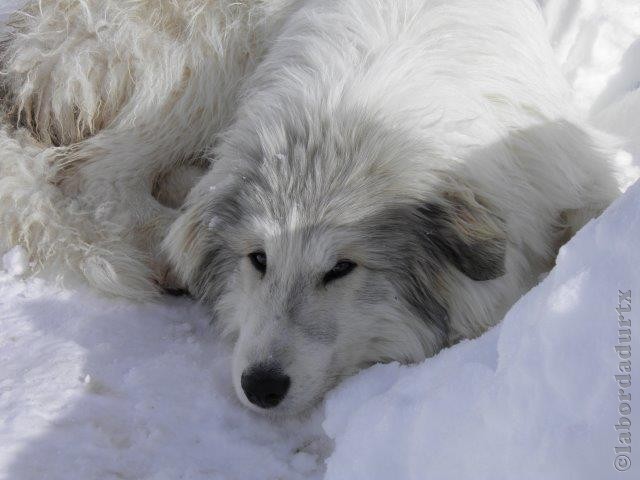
385, 177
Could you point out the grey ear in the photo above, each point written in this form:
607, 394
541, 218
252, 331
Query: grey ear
466, 234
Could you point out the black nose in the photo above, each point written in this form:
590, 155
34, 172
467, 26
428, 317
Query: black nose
264, 387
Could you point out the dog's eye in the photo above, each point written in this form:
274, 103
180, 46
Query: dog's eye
341, 269
259, 261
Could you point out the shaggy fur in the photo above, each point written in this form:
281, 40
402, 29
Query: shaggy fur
431, 143
117, 97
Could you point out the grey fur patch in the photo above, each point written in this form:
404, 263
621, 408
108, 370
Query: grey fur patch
412, 243
396, 243
478, 257
218, 260
315, 328
324, 331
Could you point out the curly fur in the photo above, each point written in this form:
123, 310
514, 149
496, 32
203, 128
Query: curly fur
116, 96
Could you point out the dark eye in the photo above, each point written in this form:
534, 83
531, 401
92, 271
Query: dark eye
259, 261
341, 269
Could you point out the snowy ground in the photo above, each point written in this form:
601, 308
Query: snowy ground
92, 388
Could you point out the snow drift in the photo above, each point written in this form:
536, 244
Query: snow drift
536, 397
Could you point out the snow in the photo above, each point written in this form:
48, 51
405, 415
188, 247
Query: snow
14, 262
96, 388
93, 388
598, 44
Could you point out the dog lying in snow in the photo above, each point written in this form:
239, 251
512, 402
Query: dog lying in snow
341, 182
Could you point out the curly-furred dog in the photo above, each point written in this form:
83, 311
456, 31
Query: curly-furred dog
374, 179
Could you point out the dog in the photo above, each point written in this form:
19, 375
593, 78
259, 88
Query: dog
341, 182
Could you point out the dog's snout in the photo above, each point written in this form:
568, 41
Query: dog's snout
264, 386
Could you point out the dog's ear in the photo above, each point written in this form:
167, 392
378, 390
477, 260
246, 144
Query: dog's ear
186, 243
194, 246
466, 234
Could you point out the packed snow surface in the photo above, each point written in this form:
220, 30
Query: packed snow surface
95, 388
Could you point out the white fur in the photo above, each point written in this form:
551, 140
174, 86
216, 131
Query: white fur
320, 116
116, 94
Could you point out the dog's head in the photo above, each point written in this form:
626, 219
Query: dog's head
321, 257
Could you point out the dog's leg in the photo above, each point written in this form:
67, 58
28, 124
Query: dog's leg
127, 92
121, 179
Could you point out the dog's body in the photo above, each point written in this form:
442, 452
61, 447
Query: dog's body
386, 178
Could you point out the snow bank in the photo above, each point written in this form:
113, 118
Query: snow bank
534, 398
92, 388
